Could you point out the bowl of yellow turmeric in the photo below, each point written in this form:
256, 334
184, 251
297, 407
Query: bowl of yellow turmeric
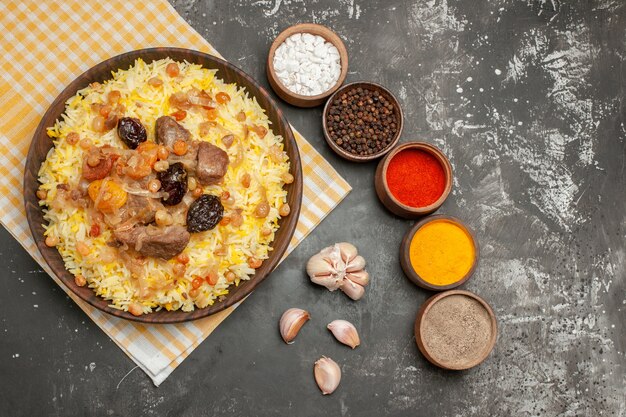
439, 253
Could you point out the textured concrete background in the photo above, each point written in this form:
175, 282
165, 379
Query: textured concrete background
526, 97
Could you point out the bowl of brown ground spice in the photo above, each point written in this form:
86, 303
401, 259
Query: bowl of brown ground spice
455, 330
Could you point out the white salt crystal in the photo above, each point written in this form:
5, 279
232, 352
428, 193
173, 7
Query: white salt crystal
306, 64
307, 38
320, 51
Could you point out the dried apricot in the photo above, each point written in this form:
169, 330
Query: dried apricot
107, 195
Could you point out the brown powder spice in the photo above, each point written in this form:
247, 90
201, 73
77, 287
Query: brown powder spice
456, 331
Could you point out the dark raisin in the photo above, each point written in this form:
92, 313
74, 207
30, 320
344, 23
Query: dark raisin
204, 213
174, 183
131, 132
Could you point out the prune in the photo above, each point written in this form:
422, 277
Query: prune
204, 213
174, 183
131, 132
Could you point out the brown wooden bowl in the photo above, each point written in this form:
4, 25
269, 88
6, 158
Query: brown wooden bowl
405, 259
41, 144
420, 340
283, 92
388, 199
370, 86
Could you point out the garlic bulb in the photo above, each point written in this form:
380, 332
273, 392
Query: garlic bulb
345, 332
327, 375
291, 322
339, 267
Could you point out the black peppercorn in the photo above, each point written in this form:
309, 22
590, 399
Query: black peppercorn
362, 121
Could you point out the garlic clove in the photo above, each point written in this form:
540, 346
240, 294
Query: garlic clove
359, 277
331, 282
327, 375
348, 251
356, 264
332, 255
352, 290
318, 266
330, 252
345, 332
291, 322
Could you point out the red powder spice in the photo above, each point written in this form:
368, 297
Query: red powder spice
415, 178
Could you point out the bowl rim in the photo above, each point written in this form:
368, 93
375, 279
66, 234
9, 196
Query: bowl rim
360, 158
443, 161
425, 308
52, 255
405, 247
325, 32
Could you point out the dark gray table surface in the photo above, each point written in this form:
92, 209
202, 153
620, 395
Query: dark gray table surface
527, 100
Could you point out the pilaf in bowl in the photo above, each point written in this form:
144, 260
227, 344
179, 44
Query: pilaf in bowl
166, 188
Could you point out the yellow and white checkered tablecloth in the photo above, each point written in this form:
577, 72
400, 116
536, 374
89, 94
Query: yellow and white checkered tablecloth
44, 46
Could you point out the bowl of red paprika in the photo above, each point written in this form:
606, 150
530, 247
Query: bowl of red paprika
413, 180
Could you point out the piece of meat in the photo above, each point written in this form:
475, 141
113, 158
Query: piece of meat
212, 163
141, 209
168, 131
157, 242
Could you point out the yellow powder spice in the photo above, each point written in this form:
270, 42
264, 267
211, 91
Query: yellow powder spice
442, 252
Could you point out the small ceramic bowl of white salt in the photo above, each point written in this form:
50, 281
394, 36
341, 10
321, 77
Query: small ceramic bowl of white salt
306, 64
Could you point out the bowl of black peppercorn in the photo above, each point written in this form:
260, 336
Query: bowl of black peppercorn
362, 121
